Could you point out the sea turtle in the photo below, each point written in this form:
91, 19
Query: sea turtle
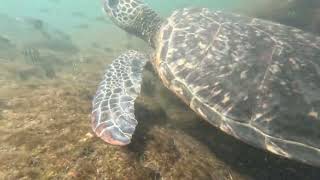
256, 80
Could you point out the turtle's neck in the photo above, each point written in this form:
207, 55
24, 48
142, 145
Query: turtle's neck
147, 25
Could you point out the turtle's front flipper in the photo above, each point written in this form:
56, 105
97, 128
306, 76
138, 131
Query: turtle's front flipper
113, 117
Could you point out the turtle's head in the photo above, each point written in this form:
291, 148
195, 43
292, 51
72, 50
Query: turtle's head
123, 12
133, 16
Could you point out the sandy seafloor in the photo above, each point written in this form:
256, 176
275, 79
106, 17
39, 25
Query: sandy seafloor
45, 131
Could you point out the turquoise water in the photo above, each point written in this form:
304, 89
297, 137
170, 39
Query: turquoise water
79, 19
67, 14
59, 13
52, 57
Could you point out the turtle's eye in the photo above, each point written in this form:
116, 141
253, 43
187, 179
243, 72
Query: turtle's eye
113, 3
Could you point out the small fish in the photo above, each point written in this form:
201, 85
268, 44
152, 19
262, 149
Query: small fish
32, 56
75, 67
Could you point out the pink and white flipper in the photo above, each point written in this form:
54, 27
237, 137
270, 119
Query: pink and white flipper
113, 117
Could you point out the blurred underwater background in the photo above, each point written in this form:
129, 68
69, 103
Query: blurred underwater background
52, 56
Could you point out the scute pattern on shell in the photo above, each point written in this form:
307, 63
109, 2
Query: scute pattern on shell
256, 80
